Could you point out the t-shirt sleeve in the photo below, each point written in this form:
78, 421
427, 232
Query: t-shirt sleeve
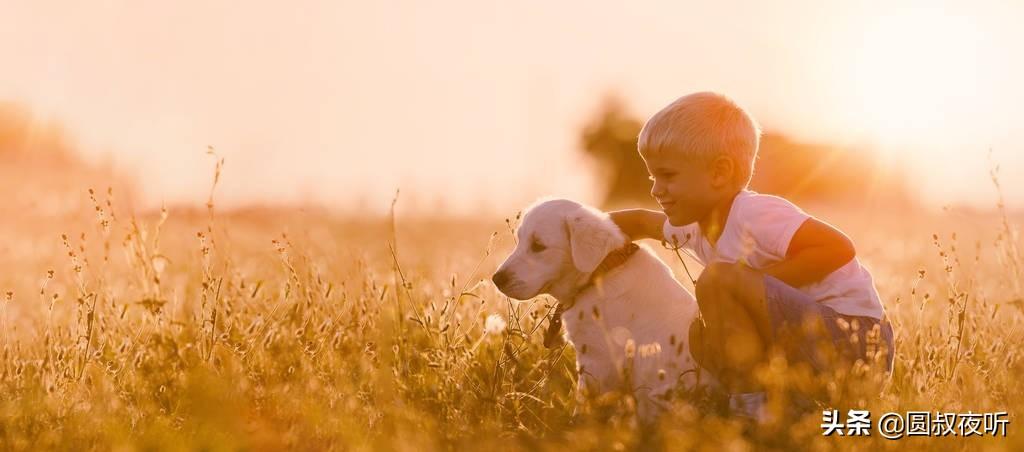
684, 236
771, 222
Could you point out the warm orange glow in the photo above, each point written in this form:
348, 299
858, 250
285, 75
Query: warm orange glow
917, 71
345, 102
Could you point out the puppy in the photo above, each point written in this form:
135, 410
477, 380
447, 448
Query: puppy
624, 312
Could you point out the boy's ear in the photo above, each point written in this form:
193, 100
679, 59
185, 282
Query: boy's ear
590, 239
723, 171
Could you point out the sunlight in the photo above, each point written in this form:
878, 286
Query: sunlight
917, 73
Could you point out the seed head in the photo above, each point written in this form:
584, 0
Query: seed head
494, 324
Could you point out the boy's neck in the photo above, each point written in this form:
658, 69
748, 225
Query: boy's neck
712, 225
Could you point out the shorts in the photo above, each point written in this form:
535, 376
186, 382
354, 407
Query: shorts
851, 336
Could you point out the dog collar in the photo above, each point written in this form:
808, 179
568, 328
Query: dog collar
612, 260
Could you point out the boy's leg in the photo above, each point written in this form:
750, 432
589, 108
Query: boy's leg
747, 313
736, 331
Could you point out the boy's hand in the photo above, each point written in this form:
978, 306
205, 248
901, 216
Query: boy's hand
816, 250
640, 223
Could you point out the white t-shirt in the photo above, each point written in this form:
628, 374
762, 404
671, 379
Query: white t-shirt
758, 231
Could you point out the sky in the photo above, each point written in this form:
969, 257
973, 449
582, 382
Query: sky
472, 105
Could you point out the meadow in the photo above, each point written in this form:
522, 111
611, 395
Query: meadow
264, 329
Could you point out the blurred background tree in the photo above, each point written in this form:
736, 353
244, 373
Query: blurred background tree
42, 173
805, 172
609, 138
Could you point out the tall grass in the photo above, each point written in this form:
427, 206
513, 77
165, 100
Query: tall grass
233, 331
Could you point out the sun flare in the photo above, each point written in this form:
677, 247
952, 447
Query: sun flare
918, 72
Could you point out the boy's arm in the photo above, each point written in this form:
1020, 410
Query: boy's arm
816, 250
640, 223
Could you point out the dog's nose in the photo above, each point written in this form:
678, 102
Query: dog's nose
500, 279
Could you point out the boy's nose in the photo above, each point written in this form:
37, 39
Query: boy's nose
656, 191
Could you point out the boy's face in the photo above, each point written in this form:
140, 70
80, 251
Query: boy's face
686, 188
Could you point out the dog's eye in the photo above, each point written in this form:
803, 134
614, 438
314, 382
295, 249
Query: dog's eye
537, 247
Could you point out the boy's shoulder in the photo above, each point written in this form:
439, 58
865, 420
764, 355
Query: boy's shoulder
768, 219
752, 205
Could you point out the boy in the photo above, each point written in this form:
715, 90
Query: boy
774, 276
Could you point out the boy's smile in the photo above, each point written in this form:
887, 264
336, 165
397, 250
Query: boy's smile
682, 186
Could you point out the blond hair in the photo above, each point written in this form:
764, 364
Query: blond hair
703, 126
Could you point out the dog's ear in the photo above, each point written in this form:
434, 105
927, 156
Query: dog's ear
590, 239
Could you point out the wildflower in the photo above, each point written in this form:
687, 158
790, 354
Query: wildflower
494, 324
649, 350
159, 263
630, 349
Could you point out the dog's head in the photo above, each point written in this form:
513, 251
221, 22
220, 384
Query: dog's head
560, 242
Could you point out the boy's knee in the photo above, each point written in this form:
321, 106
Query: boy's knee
723, 285
716, 291
720, 277
708, 287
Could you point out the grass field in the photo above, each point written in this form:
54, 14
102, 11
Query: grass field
265, 329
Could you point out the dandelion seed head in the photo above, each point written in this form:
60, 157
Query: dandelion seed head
494, 324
